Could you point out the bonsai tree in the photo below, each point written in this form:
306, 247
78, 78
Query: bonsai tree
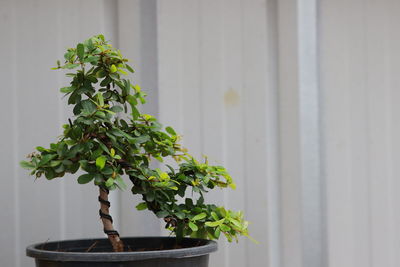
109, 139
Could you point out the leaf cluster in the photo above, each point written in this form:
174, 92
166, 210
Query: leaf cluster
108, 138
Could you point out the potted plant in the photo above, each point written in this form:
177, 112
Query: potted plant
109, 138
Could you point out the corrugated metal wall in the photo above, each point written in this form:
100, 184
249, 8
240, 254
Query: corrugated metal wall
296, 97
360, 80
216, 86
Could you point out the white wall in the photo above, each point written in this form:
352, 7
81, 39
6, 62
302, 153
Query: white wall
360, 84
297, 98
217, 85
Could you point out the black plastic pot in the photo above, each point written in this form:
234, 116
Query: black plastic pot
143, 252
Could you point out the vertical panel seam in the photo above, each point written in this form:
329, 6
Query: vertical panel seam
15, 115
243, 122
272, 39
60, 122
368, 128
309, 133
224, 116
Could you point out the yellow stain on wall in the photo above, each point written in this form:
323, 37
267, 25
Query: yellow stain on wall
231, 98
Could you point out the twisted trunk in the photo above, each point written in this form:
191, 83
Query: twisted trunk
107, 221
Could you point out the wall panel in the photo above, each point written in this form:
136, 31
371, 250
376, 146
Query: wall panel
214, 88
359, 81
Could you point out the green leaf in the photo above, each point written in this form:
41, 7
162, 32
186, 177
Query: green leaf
193, 227
42, 149
88, 106
46, 158
68, 55
150, 196
55, 163
113, 68
120, 182
225, 228
129, 68
100, 99
235, 222
27, 165
80, 51
91, 59
214, 215
122, 71
214, 224
70, 66
50, 174
101, 73
103, 146
107, 171
100, 114
217, 232
101, 162
199, 216
131, 100
162, 214
170, 131
135, 113
85, 178
109, 182
180, 215
141, 206
67, 90
98, 179
116, 109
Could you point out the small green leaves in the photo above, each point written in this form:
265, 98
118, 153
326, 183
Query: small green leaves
113, 68
129, 68
46, 158
91, 59
101, 162
70, 66
103, 147
101, 73
120, 182
88, 107
132, 101
108, 146
100, 99
141, 206
162, 214
116, 109
224, 228
80, 51
217, 223
67, 90
193, 226
109, 182
170, 130
199, 216
85, 178
27, 165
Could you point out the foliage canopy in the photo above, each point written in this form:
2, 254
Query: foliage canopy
109, 137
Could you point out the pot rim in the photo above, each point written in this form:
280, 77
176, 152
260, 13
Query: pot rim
35, 251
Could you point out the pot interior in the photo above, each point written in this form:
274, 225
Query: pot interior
131, 244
